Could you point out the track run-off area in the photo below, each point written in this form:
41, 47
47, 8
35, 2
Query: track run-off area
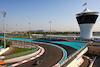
55, 52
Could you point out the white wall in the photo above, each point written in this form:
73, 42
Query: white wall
86, 30
3, 50
78, 59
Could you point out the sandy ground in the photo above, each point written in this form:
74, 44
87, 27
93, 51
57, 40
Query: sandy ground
94, 51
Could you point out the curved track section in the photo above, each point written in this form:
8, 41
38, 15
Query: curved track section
63, 50
64, 53
63, 58
51, 57
42, 51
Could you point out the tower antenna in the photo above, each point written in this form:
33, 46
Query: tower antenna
85, 4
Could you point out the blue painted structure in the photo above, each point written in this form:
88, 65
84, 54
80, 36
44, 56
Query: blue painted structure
76, 45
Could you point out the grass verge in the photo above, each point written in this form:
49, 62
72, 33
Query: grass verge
20, 52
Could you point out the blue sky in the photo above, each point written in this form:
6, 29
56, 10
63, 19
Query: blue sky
61, 13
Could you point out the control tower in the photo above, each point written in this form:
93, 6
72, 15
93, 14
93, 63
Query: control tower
86, 20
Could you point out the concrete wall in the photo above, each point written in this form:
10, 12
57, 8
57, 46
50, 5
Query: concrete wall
78, 59
86, 30
22, 57
3, 50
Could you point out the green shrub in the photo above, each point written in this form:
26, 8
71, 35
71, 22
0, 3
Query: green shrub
8, 43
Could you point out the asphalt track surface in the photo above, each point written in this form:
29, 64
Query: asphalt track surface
51, 56
68, 49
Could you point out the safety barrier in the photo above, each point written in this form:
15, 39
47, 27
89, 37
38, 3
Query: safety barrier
80, 63
72, 57
91, 60
4, 50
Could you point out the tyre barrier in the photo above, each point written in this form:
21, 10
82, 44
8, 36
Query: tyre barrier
16, 64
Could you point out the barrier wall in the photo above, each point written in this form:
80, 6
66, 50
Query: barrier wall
72, 56
78, 59
4, 50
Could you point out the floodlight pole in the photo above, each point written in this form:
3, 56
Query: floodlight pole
16, 28
50, 29
4, 14
29, 29
6, 28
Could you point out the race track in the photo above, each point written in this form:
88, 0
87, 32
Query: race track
51, 56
